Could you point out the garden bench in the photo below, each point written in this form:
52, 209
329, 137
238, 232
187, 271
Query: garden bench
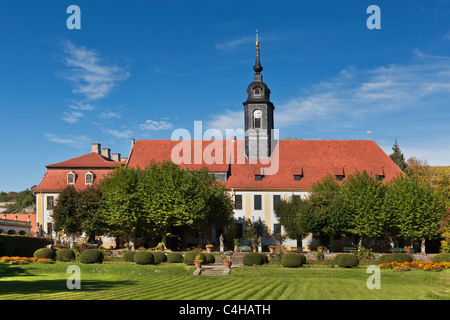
400, 250
350, 249
245, 248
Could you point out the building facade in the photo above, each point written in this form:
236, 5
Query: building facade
258, 171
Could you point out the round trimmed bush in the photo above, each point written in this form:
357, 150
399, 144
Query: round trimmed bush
441, 257
144, 257
265, 258
395, 257
174, 257
91, 256
45, 253
210, 257
65, 255
159, 257
253, 258
293, 260
189, 257
128, 256
346, 260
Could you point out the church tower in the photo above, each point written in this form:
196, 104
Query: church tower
258, 115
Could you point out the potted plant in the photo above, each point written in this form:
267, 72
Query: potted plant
198, 261
227, 263
209, 248
320, 249
272, 248
408, 249
255, 244
236, 245
160, 246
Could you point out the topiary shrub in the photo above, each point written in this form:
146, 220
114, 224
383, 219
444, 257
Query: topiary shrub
128, 256
293, 260
189, 257
441, 257
346, 260
91, 256
45, 253
144, 257
65, 255
395, 257
159, 257
210, 257
174, 257
265, 258
253, 258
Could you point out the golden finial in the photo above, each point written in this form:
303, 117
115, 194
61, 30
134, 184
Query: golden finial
257, 42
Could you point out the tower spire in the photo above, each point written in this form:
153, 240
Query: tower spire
257, 67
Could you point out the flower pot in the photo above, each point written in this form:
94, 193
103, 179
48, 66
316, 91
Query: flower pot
320, 248
208, 249
227, 264
271, 249
198, 263
255, 250
236, 248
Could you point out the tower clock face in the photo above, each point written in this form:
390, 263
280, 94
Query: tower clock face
257, 114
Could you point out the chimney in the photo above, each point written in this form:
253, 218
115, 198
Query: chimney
116, 157
96, 148
106, 153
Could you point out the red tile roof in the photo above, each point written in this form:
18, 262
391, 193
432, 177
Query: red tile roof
312, 159
55, 179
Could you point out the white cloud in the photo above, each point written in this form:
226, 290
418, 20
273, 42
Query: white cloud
110, 115
119, 134
156, 125
234, 44
76, 141
72, 116
90, 76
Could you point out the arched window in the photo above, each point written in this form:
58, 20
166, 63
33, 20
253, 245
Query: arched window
89, 178
71, 178
257, 91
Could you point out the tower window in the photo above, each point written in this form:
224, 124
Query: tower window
258, 91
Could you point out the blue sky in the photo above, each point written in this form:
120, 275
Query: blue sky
141, 69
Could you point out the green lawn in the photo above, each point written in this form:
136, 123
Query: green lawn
175, 281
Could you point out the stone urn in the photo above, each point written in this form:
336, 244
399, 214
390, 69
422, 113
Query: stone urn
227, 263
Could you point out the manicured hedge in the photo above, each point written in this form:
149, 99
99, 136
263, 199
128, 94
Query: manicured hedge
346, 260
265, 258
65, 255
253, 258
174, 257
210, 257
21, 246
45, 253
159, 257
293, 260
91, 256
189, 257
441, 257
128, 256
395, 257
144, 257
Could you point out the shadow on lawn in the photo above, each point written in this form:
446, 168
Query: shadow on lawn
46, 286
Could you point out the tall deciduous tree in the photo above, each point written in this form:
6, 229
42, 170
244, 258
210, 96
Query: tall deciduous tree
64, 213
363, 197
414, 208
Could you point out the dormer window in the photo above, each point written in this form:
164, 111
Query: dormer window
380, 177
257, 91
339, 177
297, 177
71, 178
89, 178
258, 177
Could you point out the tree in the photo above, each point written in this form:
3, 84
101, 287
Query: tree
121, 204
288, 213
414, 208
64, 214
419, 168
89, 214
363, 197
398, 157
